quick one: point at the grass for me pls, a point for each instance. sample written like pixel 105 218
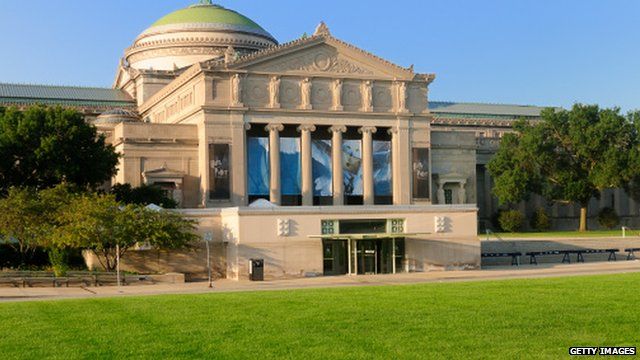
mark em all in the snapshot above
pixel 539 318
pixel 563 234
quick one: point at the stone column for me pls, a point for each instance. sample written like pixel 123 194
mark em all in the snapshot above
pixel 274 161
pixel 307 161
pixel 336 157
pixel 440 193
pixel 462 193
pixel 395 166
pixel 367 163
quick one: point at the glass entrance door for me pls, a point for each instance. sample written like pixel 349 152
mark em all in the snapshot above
pixel 379 256
pixel 335 257
pixel 368 257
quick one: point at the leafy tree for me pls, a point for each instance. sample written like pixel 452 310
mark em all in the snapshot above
pixel 568 157
pixel 143 195
pixel 100 224
pixel 27 218
pixel 21 224
pixel 42 147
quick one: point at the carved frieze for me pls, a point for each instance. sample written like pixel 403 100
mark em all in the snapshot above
pixel 318 61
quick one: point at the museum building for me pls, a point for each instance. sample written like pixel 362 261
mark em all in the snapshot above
pixel 314 155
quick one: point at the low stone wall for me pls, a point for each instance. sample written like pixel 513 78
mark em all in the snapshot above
pixel 526 245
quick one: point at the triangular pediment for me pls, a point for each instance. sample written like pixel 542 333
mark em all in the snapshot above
pixel 321 55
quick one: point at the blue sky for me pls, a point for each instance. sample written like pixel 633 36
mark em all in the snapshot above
pixel 520 51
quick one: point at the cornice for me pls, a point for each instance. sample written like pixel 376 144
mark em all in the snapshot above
pixel 184 78
pixel 471 122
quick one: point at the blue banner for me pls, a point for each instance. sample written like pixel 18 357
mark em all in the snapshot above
pixel 352 166
pixel 382 168
pixel 290 166
pixel 258 165
pixel 322 167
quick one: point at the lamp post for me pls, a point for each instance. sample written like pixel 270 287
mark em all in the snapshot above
pixel 208 237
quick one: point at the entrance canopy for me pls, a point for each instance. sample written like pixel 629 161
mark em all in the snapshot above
pixel 366 236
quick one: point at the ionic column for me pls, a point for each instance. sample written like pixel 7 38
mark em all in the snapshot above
pixel 367 163
pixel 307 161
pixel 336 157
pixel 274 161
pixel 396 170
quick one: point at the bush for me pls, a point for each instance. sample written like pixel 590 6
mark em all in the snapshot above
pixel 59 261
pixel 511 220
pixel 540 220
pixel 608 218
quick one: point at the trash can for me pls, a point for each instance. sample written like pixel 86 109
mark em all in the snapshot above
pixel 256 269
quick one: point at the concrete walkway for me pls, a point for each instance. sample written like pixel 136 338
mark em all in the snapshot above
pixel 493 273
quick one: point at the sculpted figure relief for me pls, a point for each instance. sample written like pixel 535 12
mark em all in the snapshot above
pixel 337 94
pixel 305 93
pixel 402 96
pixel 274 92
pixel 236 90
pixel 229 54
pixel 367 96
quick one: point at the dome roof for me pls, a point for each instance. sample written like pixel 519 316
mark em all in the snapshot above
pixel 116 116
pixel 196 33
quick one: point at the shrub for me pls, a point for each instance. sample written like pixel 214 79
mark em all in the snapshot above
pixel 511 220
pixel 608 218
pixel 540 220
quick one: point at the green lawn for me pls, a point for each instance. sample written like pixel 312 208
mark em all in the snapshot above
pixel 561 234
pixel 500 319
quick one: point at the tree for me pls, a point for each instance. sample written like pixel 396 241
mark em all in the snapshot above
pixel 27 218
pixel 98 223
pixel 143 195
pixel 567 157
pixel 42 147
pixel 21 225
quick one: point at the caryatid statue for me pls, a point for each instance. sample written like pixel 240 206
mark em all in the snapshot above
pixel 337 94
pixel 274 92
pixel 305 93
pixel 367 96
pixel 236 90
pixel 402 96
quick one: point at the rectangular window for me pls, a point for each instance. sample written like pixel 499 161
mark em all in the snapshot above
pixel 219 184
pixel 421 173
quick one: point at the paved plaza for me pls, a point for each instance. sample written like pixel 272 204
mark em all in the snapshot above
pixel 493 273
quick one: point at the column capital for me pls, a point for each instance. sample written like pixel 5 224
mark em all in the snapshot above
pixel 367 130
pixel 306 127
pixel 338 128
pixel 274 127
pixel 393 130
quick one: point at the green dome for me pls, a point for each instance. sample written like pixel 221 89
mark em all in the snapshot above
pixel 211 15
pixel 205 13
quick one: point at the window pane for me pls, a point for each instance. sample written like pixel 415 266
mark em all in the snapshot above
pixel 421 173
pixel 258 165
pixel 219 186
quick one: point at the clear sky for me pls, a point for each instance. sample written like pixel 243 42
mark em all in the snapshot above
pixel 539 52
